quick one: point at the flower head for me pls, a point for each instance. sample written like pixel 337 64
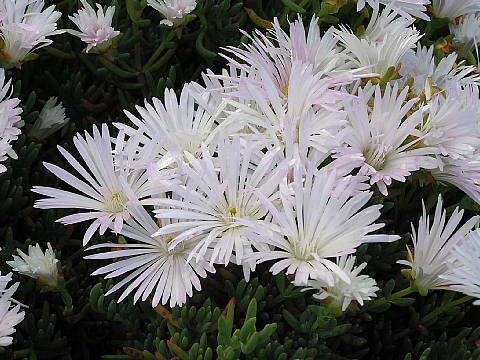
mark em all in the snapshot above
pixel 51 118
pixel 9 120
pixel 432 246
pixel 464 274
pixel 318 217
pixel 387 39
pixel 467 32
pixel 24 27
pixel 406 8
pixel 107 186
pixel 385 132
pixel 40 266
pixel 452 9
pixel 219 201
pixel 342 293
pixel 152 266
pixel 10 314
pixel 95 28
pixel 173 10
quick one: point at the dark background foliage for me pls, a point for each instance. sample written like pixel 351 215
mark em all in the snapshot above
pixel 288 323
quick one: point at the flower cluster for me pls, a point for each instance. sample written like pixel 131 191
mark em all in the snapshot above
pixel 275 160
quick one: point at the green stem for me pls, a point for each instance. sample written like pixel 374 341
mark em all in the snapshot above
pixel 443 308
pixel 66 298
pixel 59 53
pixel 159 50
pixel 401 293
pixel 163 60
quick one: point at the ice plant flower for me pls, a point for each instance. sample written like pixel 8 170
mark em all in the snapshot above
pixel 51 118
pixel 106 188
pixel 452 9
pixel 450 125
pixel 386 134
pixel 176 125
pixel 95 28
pixel 387 39
pixel 219 200
pixel 9 120
pixel 341 294
pixel 302 125
pixel 434 76
pixel 173 10
pixel 467 32
pixel 10 314
pixel 406 8
pixel 43 267
pixel 152 266
pixel 25 26
pixel 464 274
pixel 317 218
pixel 462 173
pixel 432 248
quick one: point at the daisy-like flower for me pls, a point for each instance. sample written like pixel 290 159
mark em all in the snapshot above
pixel 342 293
pixel 10 314
pixel 387 39
pixel 464 274
pixel 406 8
pixel 106 188
pixel 38 265
pixel 452 9
pixel 51 118
pixel 467 32
pixel 268 65
pixel 318 217
pixel 432 246
pixel 424 69
pixel 385 133
pixel 152 266
pixel 461 173
pixel 173 10
pixel 95 28
pixel 219 200
pixel 299 127
pixel 9 120
pixel 177 125
pixel 24 27
pixel 450 125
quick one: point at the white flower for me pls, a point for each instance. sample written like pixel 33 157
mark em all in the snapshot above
pixel 219 200
pixel 342 293
pixel 107 188
pixel 24 27
pixel 177 125
pixel 465 274
pixel 173 10
pixel 318 217
pixel 9 120
pixel 10 314
pixel 387 39
pixel 37 265
pixel 450 125
pixel 467 32
pixel 405 8
pixel 462 173
pixel 385 133
pixel 51 118
pixel 268 67
pixel 95 28
pixel 425 69
pixel 153 267
pixel 299 126
pixel 452 9
pixel 432 247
